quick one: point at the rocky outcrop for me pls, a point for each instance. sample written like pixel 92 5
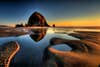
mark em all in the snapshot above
pixel 36 19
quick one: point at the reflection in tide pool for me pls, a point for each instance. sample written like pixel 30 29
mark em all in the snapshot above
pixel 32 47
pixel 32 50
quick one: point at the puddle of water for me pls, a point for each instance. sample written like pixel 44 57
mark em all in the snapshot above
pixel 62 47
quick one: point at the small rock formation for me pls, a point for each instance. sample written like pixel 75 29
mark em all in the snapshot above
pixel 19 25
pixel 53 25
pixel 36 19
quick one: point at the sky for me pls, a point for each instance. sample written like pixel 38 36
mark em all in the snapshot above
pixel 58 12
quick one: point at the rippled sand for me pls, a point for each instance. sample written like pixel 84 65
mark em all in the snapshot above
pixel 85 52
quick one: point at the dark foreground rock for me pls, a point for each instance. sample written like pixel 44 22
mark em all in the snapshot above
pixel 7 51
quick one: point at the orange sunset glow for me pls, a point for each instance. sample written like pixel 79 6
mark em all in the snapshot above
pixel 79 21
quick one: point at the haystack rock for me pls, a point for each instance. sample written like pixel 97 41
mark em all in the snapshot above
pixel 37 19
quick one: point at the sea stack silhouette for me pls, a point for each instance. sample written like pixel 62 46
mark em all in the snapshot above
pixel 37 19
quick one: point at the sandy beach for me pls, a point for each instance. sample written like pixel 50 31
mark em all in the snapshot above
pixel 11 31
pixel 84 53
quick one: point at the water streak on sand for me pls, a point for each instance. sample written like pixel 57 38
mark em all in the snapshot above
pixel 12 55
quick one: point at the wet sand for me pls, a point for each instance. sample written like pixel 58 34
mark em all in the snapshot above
pixel 85 52
pixel 5 32
pixel 85 35
pixel 7 52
